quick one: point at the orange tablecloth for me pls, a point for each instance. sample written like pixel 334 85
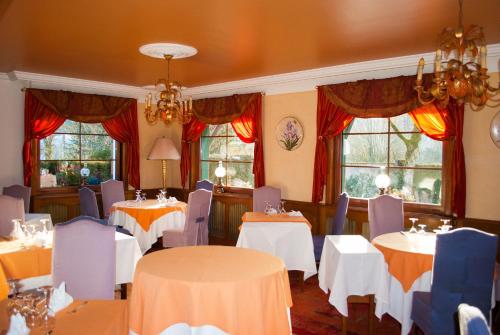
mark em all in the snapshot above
pixel 148 211
pixel 240 291
pixel 96 317
pixel 407 256
pixel 17 262
pixel 263 217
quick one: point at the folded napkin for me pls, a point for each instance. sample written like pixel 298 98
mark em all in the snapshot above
pixel 59 299
pixel 172 199
pixel 295 213
pixel 272 211
pixel 18 325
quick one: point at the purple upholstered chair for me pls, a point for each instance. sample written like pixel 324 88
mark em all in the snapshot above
pixel 111 191
pixel 385 215
pixel 462 273
pixel 337 226
pixel 10 208
pixel 19 191
pixel 265 194
pixel 204 185
pixel 88 203
pixel 471 321
pixel 84 256
pixel 195 230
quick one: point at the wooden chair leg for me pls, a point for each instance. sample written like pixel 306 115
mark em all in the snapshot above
pixel 344 325
pixel 371 314
pixel 123 291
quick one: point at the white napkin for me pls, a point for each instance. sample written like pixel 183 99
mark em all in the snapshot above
pixel 172 199
pixel 59 299
pixel 295 213
pixel 272 211
pixel 18 325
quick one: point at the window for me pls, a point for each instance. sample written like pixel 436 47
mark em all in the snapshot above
pixel 74 148
pixel 413 161
pixel 220 143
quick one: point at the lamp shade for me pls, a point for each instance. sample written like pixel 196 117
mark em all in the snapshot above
pixel 382 181
pixel 164 148
pixel 220 171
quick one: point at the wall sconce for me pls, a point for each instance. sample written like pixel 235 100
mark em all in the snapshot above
pixel 382 181
pixel 220 172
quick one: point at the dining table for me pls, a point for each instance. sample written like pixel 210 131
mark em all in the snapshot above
pixel 148 219
pixel 286 236
pixel 210 290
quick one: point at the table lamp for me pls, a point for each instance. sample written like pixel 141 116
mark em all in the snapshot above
pixel 382 180
pixel 164 149
pixel 220 172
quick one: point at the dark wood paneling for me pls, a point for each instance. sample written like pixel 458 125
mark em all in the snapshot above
pixel 490 226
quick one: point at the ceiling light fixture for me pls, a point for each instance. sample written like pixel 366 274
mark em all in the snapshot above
pixel 170 104
pixel 464 78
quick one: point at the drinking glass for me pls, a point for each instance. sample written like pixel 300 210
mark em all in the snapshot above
pixel 45 226
pixel 422 228
pixel 268 207
pixel 282 209
pixel 446 226
pixel 413 229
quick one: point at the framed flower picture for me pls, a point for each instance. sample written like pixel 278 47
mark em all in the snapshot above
pixel 289 133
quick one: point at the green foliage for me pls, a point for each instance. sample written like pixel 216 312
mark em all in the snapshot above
pixel 361 185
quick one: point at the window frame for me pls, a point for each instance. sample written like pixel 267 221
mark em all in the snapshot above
pixel 120 165
pixel 334 178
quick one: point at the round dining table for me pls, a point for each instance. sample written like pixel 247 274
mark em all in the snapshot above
pixel 211 290
pixel 409 260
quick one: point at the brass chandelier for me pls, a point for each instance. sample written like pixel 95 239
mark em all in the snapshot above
pixel 463 77
pixel 170 103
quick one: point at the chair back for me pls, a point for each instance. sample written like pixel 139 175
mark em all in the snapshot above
pixel 196 226
pixel 471 321
pixel 84 256
pixel 19 191
pixel 337 227
pixel 10 208
pixel 463 270
pixel 88 203
pixel 111 191
pixel 385 215
pixel 204 185
pixel 265 194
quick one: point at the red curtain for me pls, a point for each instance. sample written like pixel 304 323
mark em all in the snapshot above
pixel 331 120
pixel 124 129
pixel 248 127
pixel 191 132
pixel 433 122
pixel 39 122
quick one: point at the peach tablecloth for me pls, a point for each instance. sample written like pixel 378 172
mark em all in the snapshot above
pixel 408 256
pixel 239 291
pixel 263 217
pixel 96 317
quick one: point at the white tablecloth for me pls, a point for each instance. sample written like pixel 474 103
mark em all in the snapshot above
pixel 128 254
pixel 350 265
pixel 169 221
pixel 35 218
pixel 290 241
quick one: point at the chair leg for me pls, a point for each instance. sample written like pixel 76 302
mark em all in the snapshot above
pixel 371 314
pixel 123 291
pixel 344 325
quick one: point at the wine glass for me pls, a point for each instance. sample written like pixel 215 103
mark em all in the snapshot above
pixel 267 209
pixel 446 226
pixel 143 198
pixel 282 209
pixel 422 228
pixel 413 229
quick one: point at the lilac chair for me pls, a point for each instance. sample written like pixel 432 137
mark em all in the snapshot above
pixel 337 226
pixel 19 191
pixel 111 191
pixel 88 203
pixel 471 321
pixel 10 208
pixel 462 273
pixel 265 194
pixel 84 256
pixel 195 230
pixel 204 185
pixel 385 215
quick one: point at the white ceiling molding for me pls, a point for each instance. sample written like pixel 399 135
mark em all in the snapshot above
pixel 299 81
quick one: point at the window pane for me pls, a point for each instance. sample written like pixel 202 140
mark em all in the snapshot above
pixel 230 130
pixel 69 127
pixel 372 125
pixel 360 182
pixel 239 175
pixel 213 148
pixel 60 173
pixel 417 185
pixel 208 171
pixel 415 150
pixel 99 171
pixel 215 130
pixel 239 151
pixel 97 147
pixel 365 149
pixel 402 122
pixel 61 147
pixel 93 128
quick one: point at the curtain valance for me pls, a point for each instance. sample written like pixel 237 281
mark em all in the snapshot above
pixel 223 109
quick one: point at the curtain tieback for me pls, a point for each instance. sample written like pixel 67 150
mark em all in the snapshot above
pixel 320 138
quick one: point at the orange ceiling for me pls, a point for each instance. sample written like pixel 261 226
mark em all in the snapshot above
pixel 236 39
